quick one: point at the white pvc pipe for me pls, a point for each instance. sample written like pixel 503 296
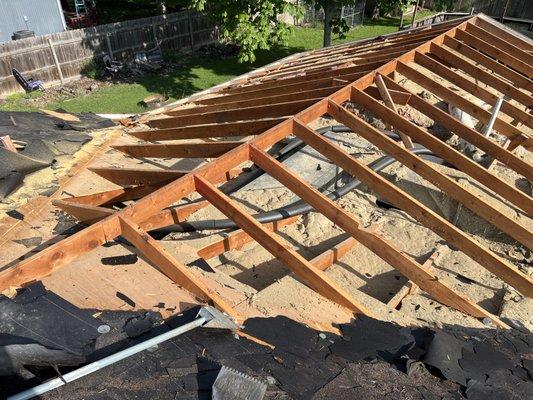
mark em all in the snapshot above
pixel 104 362
pixel 493 117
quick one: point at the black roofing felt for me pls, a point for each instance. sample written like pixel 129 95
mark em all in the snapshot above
pixel 373 359
pixel 46 137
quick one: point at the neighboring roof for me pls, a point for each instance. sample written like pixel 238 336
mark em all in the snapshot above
pixel 284 100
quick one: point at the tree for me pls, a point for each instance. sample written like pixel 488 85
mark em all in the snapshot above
pixel 336 25
pixel 250 24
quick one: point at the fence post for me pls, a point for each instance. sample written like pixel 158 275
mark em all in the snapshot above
pixel 191 33
pixel 109 48
pixel 56 61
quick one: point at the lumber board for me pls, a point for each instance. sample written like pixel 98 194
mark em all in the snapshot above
pixel 150 176
pixel 261 101
pixel 469 134
pixel 179 150
pixel 434 65
pixel 427 217
pixel 382 248
pixel 137 176
pixel 387 99
pixel 499 43
pixel 503 33
pixel 423 168
pixel 280 249
pixel 236 240
pixel 519 80
pixel 170 266
pixel 482 75
pixel 410 287
pixel 494 52
pixel 59 254
pixel 457 100
pixel 84 213
pixel 228 129
pixel 243 114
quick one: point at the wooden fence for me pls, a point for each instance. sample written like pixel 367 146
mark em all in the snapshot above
pixel 61 57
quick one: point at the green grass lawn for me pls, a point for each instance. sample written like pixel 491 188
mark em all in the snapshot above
pixel 195 73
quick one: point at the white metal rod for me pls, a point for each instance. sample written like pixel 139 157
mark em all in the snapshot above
pixel 104 362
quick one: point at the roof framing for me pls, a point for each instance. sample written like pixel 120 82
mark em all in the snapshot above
pixel 509 53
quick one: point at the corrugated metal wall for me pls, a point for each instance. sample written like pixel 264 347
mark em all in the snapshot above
pixel 44 17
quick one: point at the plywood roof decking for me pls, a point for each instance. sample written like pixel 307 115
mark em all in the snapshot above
pixel 503 57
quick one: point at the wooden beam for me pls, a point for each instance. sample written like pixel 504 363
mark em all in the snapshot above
pixel 84 213
pixel 181 150
pixel 469 134
pixel 336 253
pixel 137 176
pixel 261 101
pixel 410 287
pixel 111 197
pixel 315 278
pixel 494 52
pixel 457 100
pixel 403 263
pixel 503 33
pixel 398 97
pixel 484 76
pixel 519 80
pixel 228 129
pixel 236 240
pixel 277 88
pixel 151 176
pixel 486 95
pixel 171 267
pixel 55 256
pixel 423 168
pixel 243 114
pixel 385 95
pixel 501 44
pixel 409 204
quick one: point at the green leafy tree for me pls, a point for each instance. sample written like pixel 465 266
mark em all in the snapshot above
pixel 333 24
pixel 250 24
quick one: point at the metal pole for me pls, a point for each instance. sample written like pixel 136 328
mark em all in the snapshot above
pixel 104 362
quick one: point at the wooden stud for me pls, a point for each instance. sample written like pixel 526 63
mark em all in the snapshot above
pixel 410 287
pixel 423 168
pixel 385 95
pixel 457 100
pixel 409 204
pixel 181 150
pixel 229 129
pixel 482 75
pixel 403 263
pixel 469 134
pixel 243 114
pixel 171 267
pixel 440 69
pixel 315 278
pixel 236 240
